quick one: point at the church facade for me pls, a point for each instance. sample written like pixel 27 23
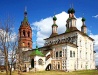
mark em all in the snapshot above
pixel 69 51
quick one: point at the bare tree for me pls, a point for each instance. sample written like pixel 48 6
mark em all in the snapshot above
pixel 6 32
pixel 19 60
pixel 12 54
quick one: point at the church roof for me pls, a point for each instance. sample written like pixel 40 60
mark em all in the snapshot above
pixel 25 20
pixel 53 34
pixel 73 30
pixel 36 52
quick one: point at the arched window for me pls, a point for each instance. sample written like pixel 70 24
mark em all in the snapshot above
pixel 70 53
pixel 56 54
pixel 58 66
pixel 86 55
pixel 73 53
pixel 28 34
pixel 24 33
pixel 80 54
pixel 28 44
pixel 60 53
pixel 40 62
pixel 23 44
pixel 80 43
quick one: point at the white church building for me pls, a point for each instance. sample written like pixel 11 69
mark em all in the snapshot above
pixel 69 51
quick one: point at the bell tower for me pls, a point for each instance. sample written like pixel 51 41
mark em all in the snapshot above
pixel 25 34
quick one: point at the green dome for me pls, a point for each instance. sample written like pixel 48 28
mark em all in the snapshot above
pixel 54 18
pixel 83 19
pixel 71 10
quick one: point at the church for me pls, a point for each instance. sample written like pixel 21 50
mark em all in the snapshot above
pixel 72 50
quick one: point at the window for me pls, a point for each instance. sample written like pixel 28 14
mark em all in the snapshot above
pixel 90 56
pixel 28 44
pixel 80 54
pixel 23 32
pixel 73 53
pixel 90 46
pixel 40 62
pixel 23 44
pixel 86 44
pixel 28 34
pixel 70 53
pixel 80 43
pixel 81 65
pixel 86 55
pixel 58 66
pixel 60 53
pixel 56 54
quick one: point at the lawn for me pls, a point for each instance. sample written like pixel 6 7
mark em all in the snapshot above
pixel 87 72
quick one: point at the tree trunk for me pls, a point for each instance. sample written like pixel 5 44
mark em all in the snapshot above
pixel 6 60
pixel 6 65
pixel 11 69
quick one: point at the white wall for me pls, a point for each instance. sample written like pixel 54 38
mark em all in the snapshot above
pixel 37 66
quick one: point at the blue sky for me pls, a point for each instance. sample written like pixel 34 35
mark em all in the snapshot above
pixel 41 11
pixel 38 9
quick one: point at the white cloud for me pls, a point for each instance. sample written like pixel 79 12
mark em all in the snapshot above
pixel 44 26
pixel 96 16
pixel 9 37
pixel 95 37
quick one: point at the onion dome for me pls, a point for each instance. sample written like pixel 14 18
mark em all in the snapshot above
pixel 83 19
pixel 71 10
pixel 54 18
pixel 25 13
pixel 25 16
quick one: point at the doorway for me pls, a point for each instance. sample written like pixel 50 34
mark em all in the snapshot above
pixel 32 63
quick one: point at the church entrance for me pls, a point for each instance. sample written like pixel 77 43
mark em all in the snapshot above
pixel 48 67
pixel 32 63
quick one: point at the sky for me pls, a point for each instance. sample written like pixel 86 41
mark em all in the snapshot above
pixel 41 12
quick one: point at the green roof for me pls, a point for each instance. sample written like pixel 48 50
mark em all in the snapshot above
pixel 68 30
pixel 25 19
pixel 54 25
pixel 36 52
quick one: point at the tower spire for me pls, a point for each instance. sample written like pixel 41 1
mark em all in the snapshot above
pixel 25 12
pixel 25 8
pixel 25 15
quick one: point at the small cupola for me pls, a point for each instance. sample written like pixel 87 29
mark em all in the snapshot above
pixel 54 27
pixel 71 12
pixel 83 27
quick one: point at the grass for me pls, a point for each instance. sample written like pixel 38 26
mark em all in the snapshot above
pixel 85 72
